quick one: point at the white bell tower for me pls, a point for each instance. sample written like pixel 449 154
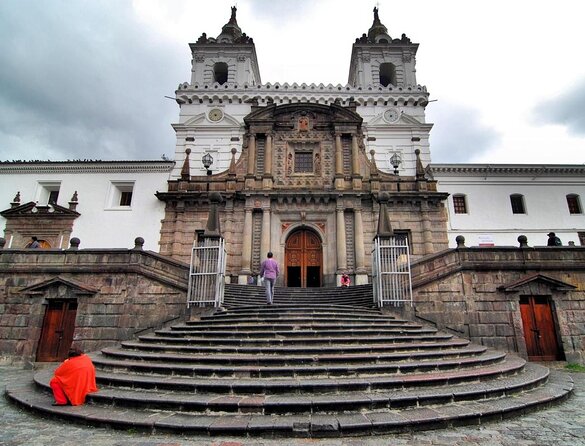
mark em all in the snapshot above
pixel 229 58
pixel 377 59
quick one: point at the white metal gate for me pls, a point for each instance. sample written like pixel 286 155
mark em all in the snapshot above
pixel 207 273
pixel 391 272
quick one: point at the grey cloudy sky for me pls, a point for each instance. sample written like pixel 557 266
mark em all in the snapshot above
pixel 87 79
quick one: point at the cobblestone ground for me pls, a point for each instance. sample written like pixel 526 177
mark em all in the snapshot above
pixel 563 424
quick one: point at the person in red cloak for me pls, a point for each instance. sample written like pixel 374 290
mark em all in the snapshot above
pixel 73 379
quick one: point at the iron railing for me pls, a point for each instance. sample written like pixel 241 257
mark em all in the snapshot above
pixel 391 276
pixel 207 273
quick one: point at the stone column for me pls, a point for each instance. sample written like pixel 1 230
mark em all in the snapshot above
pixel 341 244
pixel 265 238
pixel 361 275
pixel 246 247
pixel 338 155
pixel 268 155
pixel 251 154
pixel 355 164
pixel 427 229
pixel 267 180
pixel 339 181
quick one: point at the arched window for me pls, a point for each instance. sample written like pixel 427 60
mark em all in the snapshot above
pixel 574 204
pixel 517 202
pixel 459 204
pixel 220 73
pixel 387 74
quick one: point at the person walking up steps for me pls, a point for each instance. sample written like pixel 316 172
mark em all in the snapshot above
pixel 269 271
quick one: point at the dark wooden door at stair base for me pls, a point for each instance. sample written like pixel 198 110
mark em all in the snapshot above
pixel 539 328
pixel 303 260
pixel 57 333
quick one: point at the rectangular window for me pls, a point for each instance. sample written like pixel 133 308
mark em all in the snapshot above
pixel 303 162
pixel 574 205
pixel 517 202
pixel 120 195
pixel 459 205
pixel 47 192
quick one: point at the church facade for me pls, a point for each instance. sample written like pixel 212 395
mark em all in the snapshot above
pixel 302 171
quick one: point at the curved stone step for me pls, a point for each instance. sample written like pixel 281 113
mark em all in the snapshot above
pixel 305 370
pixel 266 332
pixel 325 340
pixel 291 359
pixel 290 324
pixel 228 316
pixel 248 385
pixel 406 419
pixel 294 349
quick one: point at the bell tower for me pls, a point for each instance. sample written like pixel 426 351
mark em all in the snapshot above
pixel 230 58
pixel 377 59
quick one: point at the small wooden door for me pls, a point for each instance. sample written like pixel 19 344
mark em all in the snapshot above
pixel 303 260
pixel 57 332
pixel 539 329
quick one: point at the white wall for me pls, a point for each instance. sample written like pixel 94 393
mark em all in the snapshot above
pixel 489 212
pixel 100 224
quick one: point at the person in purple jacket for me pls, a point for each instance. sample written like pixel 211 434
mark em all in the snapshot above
pixel 269 271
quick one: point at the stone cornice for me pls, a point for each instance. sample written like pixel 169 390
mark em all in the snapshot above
pixel 292 93
pixel 505 169
pixel 8 167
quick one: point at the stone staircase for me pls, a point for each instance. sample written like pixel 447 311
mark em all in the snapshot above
pixel 319 362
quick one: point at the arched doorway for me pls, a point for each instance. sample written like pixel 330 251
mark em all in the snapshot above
pixel 303 259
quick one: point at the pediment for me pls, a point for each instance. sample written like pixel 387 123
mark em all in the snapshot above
pixel 537 279
pixel 74 287
pixel 330 113
pixel 32 210
pixel 404 119
pixel 200 120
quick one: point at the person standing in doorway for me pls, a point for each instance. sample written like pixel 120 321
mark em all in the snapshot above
pixel 34 244
pixel 269 271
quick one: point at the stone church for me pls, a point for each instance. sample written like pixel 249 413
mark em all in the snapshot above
pixel 310 172
pixel 301 174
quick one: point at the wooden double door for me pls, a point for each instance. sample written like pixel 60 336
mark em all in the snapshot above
pixel 539 329
pixel 303 259
pixel 57 331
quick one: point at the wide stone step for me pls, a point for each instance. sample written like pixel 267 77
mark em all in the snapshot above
pixel 301 385
pixel 298 349
pixel 229 317
pixel 266 332
pixel 292 359
pixel 380 368
pixel 323 403
pixel 290 325
pixel 406 418
pixel 302 340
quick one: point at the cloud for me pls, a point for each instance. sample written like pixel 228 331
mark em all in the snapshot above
pixel 279 9
pixel 83 80
pixel 568 109
pixel 458 136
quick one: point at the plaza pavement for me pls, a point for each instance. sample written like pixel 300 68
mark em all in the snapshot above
pixel 563 424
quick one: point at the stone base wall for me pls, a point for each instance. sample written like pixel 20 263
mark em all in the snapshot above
pixel 475 293
pixel 119 294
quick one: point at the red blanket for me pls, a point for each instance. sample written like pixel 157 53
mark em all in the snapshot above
pixel 77 377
